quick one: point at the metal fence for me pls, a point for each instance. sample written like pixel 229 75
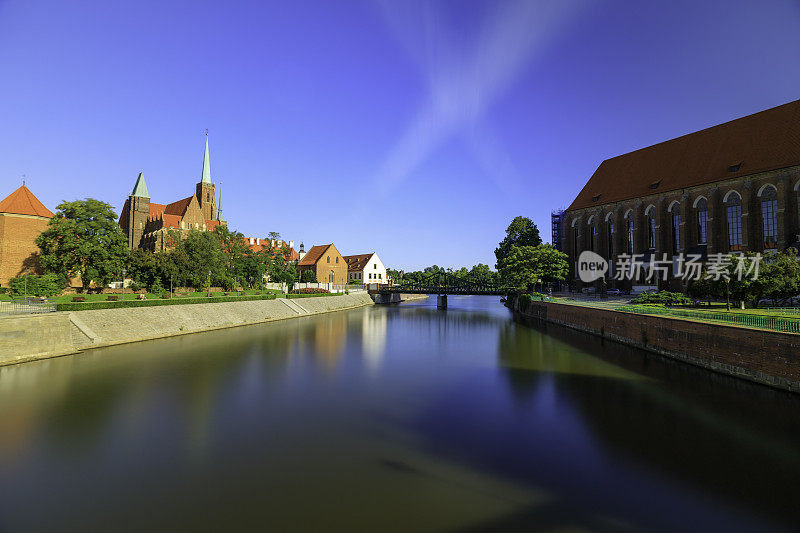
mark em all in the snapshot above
pixel 773 323
pixel 22 306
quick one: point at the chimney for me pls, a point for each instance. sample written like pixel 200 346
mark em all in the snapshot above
pixel 258 240
pixel 291 244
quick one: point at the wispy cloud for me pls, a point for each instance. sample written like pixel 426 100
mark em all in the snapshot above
pixel 465 79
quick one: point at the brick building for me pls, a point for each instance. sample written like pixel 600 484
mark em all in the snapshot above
pixel 728 188
pixel 148 224
pixel 327 264
pixel 22 218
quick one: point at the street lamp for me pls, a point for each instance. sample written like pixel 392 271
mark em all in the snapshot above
pixel 209 284
pixel 727 294
pixel 123 283
pixel 170 285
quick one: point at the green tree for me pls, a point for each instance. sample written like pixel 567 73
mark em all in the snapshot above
pixel 83 239
pixel 308 276
pixel 481 274
pixel 197 254
pixel 528 265
pixel 521 232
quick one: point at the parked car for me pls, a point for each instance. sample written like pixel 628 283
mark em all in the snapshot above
pixel 613 292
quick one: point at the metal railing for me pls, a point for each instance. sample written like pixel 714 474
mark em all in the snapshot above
pixel 22 306
pixel 750 320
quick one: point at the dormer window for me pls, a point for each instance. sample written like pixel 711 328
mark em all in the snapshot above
pixel 595 197
pixel 655 184
pixel 735 168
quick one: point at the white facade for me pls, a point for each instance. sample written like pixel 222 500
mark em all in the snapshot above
pixel 374 272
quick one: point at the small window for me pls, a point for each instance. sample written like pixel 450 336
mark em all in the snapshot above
pixel 595 197
pixel 337 259
pixel 329 259
pixel 375 266
pixel 735 168
pixel 655 184
pixel 380 276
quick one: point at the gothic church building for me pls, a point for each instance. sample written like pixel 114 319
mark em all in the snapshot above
pixel 148 225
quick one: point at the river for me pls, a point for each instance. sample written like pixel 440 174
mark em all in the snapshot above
pixel 397 418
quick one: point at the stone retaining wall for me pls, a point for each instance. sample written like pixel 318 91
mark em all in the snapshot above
pixel 28 337
pixel 768 357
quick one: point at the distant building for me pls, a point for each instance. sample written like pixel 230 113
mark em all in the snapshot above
pixel 301 253
pixel 257 244
pixel 22 218
pixel 327 264
pixel 365 268
pixel 148 224
pixel 729 188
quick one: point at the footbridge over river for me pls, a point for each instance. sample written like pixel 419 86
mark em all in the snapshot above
pixel 441 284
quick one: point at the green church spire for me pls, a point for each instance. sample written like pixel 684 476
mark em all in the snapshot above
pixel 206 165
pixel 140 189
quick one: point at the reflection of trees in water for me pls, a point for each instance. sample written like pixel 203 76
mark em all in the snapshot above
pixel 690 423
pixel 76 396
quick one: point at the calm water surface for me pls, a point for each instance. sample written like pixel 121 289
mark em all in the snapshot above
pixel 400 418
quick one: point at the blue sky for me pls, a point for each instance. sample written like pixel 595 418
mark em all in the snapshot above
pixel 415 129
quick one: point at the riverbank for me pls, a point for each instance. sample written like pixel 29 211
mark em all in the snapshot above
pixel 766 357
pixel 30 337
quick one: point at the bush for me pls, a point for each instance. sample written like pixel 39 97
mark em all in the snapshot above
pixel 77 306
pixel 156 287
pixel 309 290
pixel 662 297
pixel 46 285
pixel 525 300
pixel 134 287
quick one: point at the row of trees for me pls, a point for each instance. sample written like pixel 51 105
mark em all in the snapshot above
pixel 83 240
pixel 522 261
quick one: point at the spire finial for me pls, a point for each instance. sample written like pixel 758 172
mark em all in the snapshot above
pixel 23 180
pixel 140 189
pixel 206 177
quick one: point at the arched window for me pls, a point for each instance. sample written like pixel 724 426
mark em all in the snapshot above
pixel 769 215
pixel 592 233
pixel 733 210
pixel 675 211
pixel 629 228
pixel 610 240
pixel 329 259
pixel 701 205
pixel 650 213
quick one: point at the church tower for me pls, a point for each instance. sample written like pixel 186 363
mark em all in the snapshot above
pixel 205 189
pixel 138 212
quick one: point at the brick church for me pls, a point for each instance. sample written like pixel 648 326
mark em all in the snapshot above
pixel 22 218
pixel 734 187
pixel 148 225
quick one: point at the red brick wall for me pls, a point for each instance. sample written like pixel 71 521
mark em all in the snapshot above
pixel 17 236
pixel 763 356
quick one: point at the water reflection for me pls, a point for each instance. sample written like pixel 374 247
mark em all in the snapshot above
pixel 414 418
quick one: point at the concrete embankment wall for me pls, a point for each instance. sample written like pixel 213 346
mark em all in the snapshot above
pixel 28 337
pixel 768 357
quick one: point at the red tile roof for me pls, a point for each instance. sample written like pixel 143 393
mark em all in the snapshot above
pixel 171 221
pixel 767 140
pixel 357 262
pixel 313 255
pixel 179 207
pixel 23 202
pixel 156 209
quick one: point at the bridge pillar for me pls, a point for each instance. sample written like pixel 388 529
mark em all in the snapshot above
pixel 441 301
